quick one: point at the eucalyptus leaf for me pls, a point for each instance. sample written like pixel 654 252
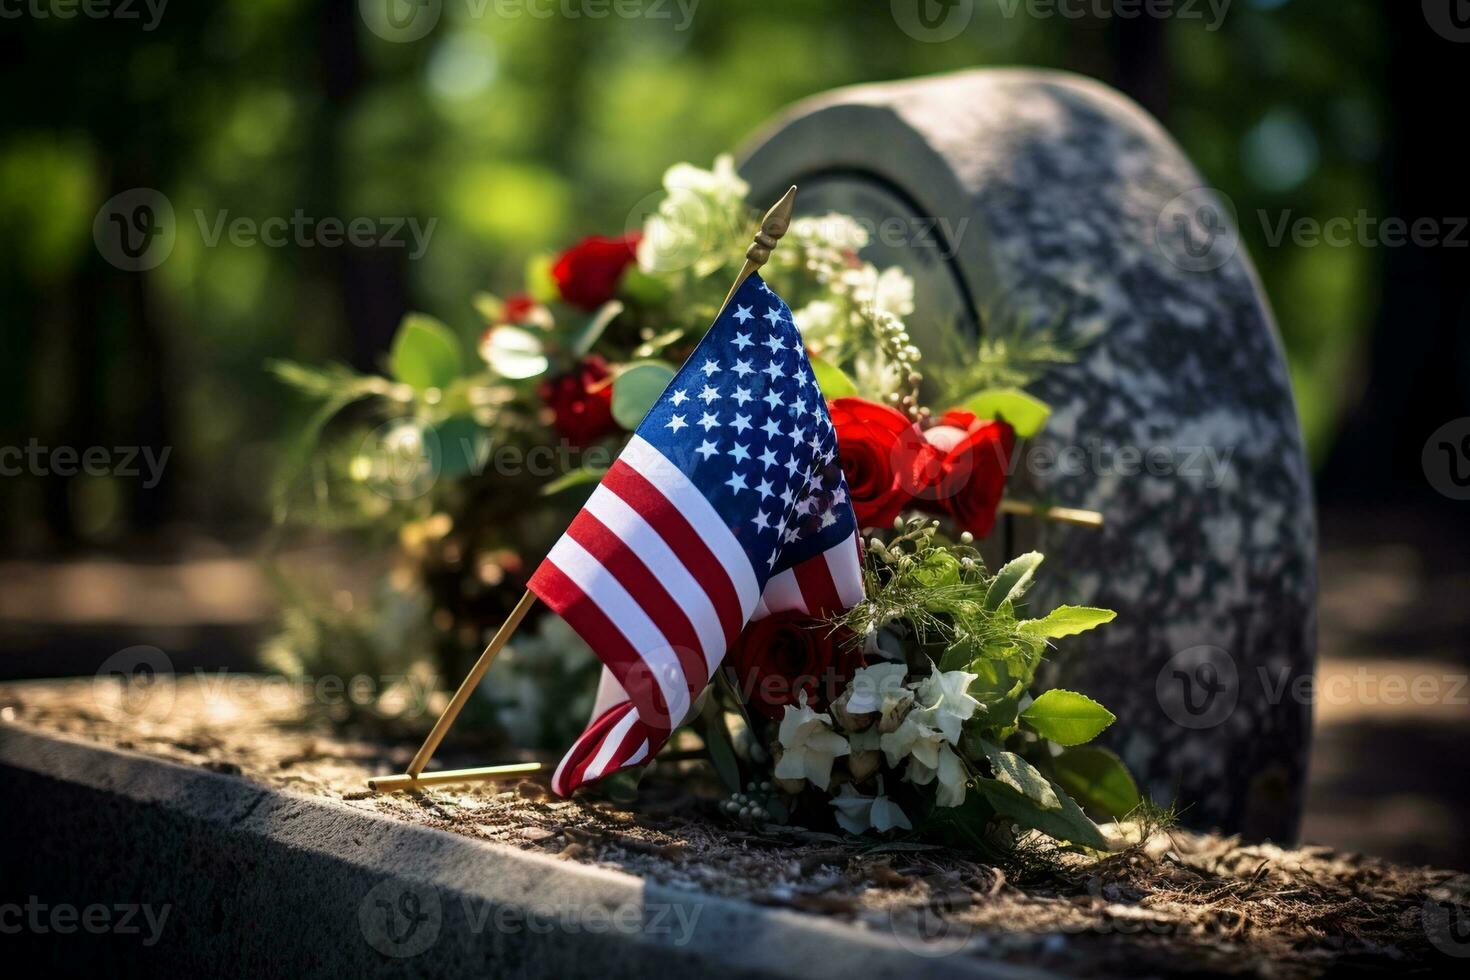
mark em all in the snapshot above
pixel 461 449
pixel 1025 413
pixel 719 746
pixel 1012 581
pixel 636 389
pixel 514 353
pixel 1066 717
pixel 425 353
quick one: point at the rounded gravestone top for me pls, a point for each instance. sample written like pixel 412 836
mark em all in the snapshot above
pixel 1043 200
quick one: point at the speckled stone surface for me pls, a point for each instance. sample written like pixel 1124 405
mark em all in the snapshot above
pixel 1052 197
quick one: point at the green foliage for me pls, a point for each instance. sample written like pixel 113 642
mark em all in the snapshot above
pixel 425 353
pixel 831 380
pixel 939 602
pixel 1098 780
pixel 637 388
pixel 1066 717
pixel 1068 621
pixel 1026 413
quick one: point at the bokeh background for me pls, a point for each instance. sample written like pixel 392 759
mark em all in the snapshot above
pixel 516 128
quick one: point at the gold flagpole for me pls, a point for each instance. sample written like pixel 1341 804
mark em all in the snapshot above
pixel 773 227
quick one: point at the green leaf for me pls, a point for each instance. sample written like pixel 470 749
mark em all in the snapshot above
pixel 1021 776
pixel 462 447
pixel 425 353
pixel 1099 781
pixel 490 307
pixel 592 332
pixel 1067 823
pixel 1026 413
pixel 717 743
pixel 636 389
pixel 574 478
pixel 513 353
pixel 1066 717
pixel 657 345
pixel 540 283
pixel 1012 581
pixel 831 379
pixel 1068 621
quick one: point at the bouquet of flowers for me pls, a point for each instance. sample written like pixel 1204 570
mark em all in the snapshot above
pixel 912 710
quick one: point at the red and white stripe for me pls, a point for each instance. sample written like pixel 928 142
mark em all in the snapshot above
pixel 656 583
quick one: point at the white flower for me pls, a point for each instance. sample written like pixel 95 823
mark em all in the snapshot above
pixel 879 688
pixel 856 813
pixel 698 215
pixel 945 701
pixel 891 291
pixel 818 320
pixel 832 230
pixel 949 770
pixel 914 738
pixel 810 745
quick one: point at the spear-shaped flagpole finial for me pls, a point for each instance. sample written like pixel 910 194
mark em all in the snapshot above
pixel 773 226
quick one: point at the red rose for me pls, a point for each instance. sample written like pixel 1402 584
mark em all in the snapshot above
pixel 883 458
pixel 973 457
pixel 587 274
pixel 787 654
pixel 581 401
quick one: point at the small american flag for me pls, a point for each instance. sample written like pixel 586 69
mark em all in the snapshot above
pixel 727 505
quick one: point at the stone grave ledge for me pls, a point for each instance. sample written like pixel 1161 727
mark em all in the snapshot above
pixel 244 816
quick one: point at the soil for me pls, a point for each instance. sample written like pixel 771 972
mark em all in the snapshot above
pixel 1172 904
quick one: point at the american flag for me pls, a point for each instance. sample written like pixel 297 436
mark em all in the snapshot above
pixel 727 505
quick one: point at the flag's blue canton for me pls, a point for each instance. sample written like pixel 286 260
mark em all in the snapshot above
pixel 744 420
